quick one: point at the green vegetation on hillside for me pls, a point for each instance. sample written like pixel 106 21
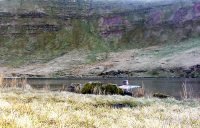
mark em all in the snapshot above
pixel 38 31
pixel 46 46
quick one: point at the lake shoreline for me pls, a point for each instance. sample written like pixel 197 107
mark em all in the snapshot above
pixel 97 77
pixel 175 87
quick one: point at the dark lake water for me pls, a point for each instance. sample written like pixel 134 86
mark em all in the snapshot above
pixel 168 86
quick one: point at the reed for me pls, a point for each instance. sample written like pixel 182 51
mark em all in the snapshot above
pixel 14 83
pixel 46 87
pixel 139 92
pixel 187 91
pixel 1 80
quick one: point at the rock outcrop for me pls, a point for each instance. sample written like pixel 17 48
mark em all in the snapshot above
pixel 130 20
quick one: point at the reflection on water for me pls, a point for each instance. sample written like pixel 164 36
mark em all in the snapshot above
pixel 169 86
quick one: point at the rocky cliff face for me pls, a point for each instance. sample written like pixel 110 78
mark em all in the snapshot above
pixel 36 16
pixel 39 31
pixel 131 20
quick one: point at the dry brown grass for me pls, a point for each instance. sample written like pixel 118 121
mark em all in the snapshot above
pixel 21 108
pixel 47 109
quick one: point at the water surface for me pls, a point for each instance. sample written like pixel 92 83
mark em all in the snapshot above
pixel 168 86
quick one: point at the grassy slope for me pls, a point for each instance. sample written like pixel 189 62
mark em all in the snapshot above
pixel 86 61
pixel 151 59
pixel 54 109
pixel 175 47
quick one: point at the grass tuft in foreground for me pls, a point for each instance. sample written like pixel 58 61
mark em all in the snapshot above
pixel 33 108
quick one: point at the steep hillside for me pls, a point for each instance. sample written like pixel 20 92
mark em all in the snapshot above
pixel 35 34
pixel 169 60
